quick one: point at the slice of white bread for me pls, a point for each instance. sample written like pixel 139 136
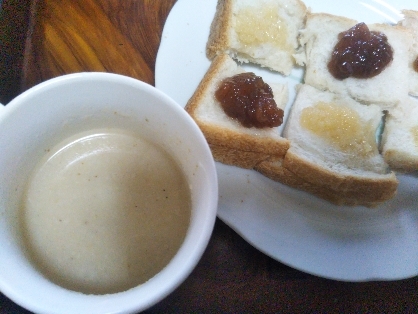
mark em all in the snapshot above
pixel 400 136
pixel 410 21
pixel 263 32
pixel 230 142
pixel 320 37
pixel 335 148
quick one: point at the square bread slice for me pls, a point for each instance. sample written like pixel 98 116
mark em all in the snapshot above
pixel 333 146
pixel 263 32
pixel 400 136
pixel 410 21
pixel 320 37
pixel 230 142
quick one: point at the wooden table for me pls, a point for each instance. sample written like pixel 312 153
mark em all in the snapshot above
pixel 41 39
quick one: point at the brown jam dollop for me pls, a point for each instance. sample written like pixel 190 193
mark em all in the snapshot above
pixel 248 99
pixel 360 53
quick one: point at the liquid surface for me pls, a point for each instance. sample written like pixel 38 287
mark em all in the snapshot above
pixel 360 53
pixel 340 126
pixel 104 212
pixel 255 27
pixel 248 99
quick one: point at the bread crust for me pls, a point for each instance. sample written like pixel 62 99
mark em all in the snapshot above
pixel 400 137
pixel 373 188
pixel 275 171
pixel 401 161
pixel 218 36
pixel 223 37
pixel 238 158
pixel 238 146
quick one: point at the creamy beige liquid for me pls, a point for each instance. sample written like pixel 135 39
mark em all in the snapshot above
pixel 104 212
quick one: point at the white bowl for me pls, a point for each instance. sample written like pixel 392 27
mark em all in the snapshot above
pixel 60 107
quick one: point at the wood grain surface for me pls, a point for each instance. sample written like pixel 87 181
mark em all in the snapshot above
pixel 41 39
pixel 48 38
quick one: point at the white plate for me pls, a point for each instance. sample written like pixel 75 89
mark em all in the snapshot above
pixel 293 227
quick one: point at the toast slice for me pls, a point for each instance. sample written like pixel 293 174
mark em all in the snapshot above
pixel 263 32
pixel 410 21
pixel 333 146
pixel 400 137
pixel 320 37
pixel 232 143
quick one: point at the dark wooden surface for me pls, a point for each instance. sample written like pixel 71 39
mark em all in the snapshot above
pixel 41 39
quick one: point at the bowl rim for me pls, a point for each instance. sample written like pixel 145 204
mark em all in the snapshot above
pixel 186 258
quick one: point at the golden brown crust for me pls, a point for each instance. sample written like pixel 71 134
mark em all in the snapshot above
pixel 280 174
pixel 218 36
pixel 400 161
pixel 238 158
pixel 276 172
pixel 372 189
pixel 200 91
